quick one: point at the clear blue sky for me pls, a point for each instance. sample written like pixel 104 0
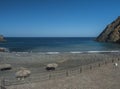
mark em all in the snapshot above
pixel 56 18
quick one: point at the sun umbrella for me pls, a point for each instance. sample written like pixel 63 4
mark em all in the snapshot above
pixel 5 67
pixel 52 65
pixel 23 73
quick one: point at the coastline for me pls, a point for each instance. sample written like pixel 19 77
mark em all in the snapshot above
pixel 70 52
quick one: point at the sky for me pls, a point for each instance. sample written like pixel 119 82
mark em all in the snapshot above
pixel 56 18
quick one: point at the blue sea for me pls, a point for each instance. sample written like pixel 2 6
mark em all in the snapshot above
pixel 57 44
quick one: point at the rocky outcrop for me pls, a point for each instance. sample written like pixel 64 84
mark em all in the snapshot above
pixel 2 38
pixel 3 49
pixel 111 33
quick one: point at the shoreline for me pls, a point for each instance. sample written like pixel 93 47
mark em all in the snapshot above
pixel 69 52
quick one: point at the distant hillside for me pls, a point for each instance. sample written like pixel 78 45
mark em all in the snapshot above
pixel 111 33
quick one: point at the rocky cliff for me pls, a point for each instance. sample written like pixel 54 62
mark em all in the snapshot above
pixel 111 33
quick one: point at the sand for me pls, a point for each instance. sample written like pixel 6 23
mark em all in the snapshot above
pixel 104 77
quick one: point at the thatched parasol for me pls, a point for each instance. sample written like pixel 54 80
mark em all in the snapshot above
pixel 23 73
pixel 51 66
pixel 5 67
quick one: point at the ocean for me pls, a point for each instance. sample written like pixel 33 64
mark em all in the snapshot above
pixel 57 44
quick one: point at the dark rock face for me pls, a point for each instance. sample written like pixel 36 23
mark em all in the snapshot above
pixel 111 33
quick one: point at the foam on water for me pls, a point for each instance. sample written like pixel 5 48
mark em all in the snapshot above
pixel 102 51
pixel 75 52
pixel 52 52
pixel 71 52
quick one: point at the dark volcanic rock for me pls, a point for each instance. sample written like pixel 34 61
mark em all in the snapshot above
pixel 111 33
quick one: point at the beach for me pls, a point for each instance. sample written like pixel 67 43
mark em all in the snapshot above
pixel 36 63
pixel 104 77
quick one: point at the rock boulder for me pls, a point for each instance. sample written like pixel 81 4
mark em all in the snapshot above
pixel 2 38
